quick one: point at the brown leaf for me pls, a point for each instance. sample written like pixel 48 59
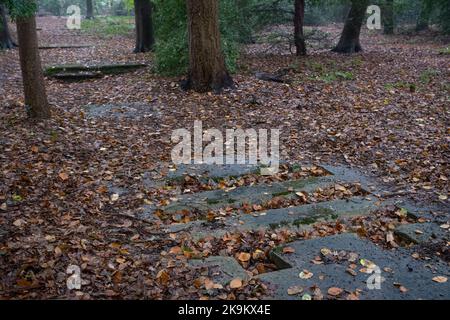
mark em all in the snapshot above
pixel 244 256
pixel 63 176
pixel 163 277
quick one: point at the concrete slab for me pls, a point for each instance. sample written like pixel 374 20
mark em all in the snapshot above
pixel 397 268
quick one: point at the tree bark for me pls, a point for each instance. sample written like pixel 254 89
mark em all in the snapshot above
pixel 30 63
pixel 89 9
pixel 424 17
pixel 145 38
pixel 349 41
pixel 6 41
pixel 389 17
pixel 299 18
pixel 207 70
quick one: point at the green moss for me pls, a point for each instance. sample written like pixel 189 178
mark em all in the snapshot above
pixel 212 201
pixel 305 221
pixel 281 193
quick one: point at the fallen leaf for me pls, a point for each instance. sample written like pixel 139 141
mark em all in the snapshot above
pixel 351 271
pixel 236 283
pixel 163 277
pixel 294 290
pixel 63 176
pixel 305 274
pixel 19 222
pixel 244 256
pixel 288 250
pixel 440 279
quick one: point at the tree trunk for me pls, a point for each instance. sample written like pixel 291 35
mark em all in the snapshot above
pixel 389 17
pixel 299 18
pixel 145 38
pixel 349 42
pixel 207 70
pixel 89 9
pixel 6 41
pixel 30 63
pixel 424 17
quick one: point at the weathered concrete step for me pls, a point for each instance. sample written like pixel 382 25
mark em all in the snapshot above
pixel 222 269
pixel 302 217
pixel 64 46
pixel 420 233
pixel 397 268
pixel 256 194
pixel 210 171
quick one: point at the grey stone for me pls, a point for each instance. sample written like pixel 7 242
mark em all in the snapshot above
pixel 415 275
pixel 223 269
pixel 212 171
pixel 420 233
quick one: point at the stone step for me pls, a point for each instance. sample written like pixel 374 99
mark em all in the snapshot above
pixel 256 194
pixel 212 171
pixel 294 217
pixel 397 268
pixel 422 233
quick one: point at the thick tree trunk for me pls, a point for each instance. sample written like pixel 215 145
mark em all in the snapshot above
pixel 89 9
pixel 424 17
pixel 145 38
pixel 207 70
pixel 388 17
pixel 299 18
pixel 6 41
pixel 349 41
pixel 30 63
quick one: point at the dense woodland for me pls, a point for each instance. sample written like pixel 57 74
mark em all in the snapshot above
pixel 86 116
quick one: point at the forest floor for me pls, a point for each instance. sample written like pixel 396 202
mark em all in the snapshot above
pixel 383 112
